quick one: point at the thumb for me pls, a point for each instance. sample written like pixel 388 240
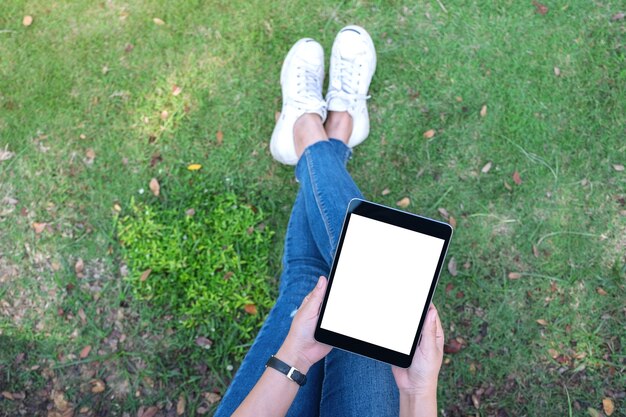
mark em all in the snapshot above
pixel 315 297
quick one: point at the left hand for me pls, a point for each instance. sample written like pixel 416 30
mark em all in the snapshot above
pixel 300 348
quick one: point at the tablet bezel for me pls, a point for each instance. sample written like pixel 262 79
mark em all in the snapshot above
pixel 404 220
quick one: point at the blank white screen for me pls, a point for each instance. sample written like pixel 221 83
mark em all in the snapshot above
pixel 381 283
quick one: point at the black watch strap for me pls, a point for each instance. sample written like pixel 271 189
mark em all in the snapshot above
pixel 291 372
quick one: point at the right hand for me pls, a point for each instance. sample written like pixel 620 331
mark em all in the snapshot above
pixel 421 377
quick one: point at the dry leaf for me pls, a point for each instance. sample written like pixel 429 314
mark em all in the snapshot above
pixel 79 267
pixel 403 203
pixel 483 110
pixel 452 221
pixel 542 322
pixel 453 346
pixel 452 267
pixel 507 186
pixel 180 405
pixel 150 411
pixel 212 397
pixel 449 288
pixel 514 275
pixel 164 115
pixel 155 187
pixel 386 191
pixel 540 8
pixel 618 167
pixel 486 168
pixel 535 251
pixel 97 386
pixel 444 213
pixel 593 412
pixel 158 21
pixel 204 342
pixel 59 400
pixel 190 212
pixel 553 353
pixel 601 291
pixel 90 154
pixel 516 178
pixel 429 134
pixel 27 20
pixel 82 315
pixel 84 352
pixel 176 90
pixel 117 207
pixel 618 16
pixel 608 406
pixel 7 395
pixel 194 167
pixel 250 309
pixel 145 274
pixel 5 154
pixel 39 227
pixel 220 137
pixel 557 71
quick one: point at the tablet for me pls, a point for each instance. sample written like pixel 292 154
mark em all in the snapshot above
pixel 383 277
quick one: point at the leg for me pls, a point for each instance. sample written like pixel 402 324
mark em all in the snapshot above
pixel 302 266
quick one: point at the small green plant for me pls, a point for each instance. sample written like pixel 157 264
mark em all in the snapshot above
pixel 203 257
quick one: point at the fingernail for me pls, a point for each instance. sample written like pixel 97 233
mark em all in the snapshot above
pixel 320 282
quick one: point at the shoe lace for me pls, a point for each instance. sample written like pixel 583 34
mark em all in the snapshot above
pixel 309 87
pixel 349 75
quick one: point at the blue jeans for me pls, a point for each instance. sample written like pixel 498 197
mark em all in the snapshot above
pixel 343 384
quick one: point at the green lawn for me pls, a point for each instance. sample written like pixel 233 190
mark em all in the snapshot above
pixel 529 113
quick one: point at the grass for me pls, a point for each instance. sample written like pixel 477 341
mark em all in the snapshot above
pixel 93 78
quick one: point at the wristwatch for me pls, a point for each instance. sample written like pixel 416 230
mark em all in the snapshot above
pixel 291 372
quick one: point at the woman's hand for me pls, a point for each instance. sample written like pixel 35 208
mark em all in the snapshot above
pixel 418 383
pixel 300 348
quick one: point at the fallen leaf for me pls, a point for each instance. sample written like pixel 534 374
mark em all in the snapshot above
pixel 79 267
pixel 449 287
pixel 250 309
pixel 219 136
pixel 190 212
pixel 145 274
pixel 542 322
pixel 460 294
pixel 516 178
pixel 117 207
pixel 452 267
pixel 453 346
pixel 608 406
pixel 507 186
pixel 194 167
pixel 212 397
pixel 85 352
pixel 553 353
pixel 618 16
pixel 5 154
pixel 514 275
pixel 27 20
pixel 59 401
pixel 155 187
pixel 82 315
pixel 535 251
pixel 593 412
pixel 7 395
pixel 176 90
pixel 444 213
pixel 204 342
pixel 39 227
pixel 483 110
pixel 486 168
pixel 618 167
pixel 601 291
pixel 429 134
pixel 164 115
pixel 403 203
pixel 180 405
pixel 150 411
pixel 452 221
pixel 202 410
pixel 540 8
pixel 386 191
pixel 158 21
pixel 475 401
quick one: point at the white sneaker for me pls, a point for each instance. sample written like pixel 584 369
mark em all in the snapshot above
pixel 352 65
pixel 301 79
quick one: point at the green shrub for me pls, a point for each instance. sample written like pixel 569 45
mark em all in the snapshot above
pixel 205 258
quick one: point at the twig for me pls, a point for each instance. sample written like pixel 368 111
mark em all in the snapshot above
pixel 564 233
pixel 6 31
pixel 442 6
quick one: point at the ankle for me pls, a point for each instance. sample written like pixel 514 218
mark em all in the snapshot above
pixel 339 125
pixel 308 130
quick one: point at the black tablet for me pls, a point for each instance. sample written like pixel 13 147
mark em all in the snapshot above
pixel 381 283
